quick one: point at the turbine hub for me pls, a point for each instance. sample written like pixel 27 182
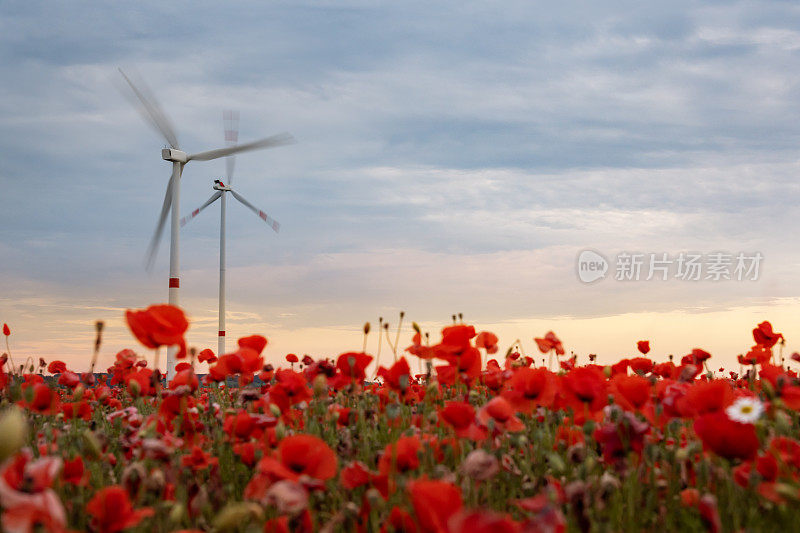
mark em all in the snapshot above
pixel 176 156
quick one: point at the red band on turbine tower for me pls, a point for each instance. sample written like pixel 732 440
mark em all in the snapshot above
pixel 222 333
pixel 174 283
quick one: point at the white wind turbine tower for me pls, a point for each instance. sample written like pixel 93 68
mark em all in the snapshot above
pixel 142 98
pixel 231 121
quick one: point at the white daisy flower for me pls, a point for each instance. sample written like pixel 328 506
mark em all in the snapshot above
pixel 745 410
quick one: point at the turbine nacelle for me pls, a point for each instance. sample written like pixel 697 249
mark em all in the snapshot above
pixel 176 156
pixel 219 186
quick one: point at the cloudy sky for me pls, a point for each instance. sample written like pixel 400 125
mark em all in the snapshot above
pixel 452 157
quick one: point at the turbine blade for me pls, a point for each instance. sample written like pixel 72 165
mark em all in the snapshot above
pixel 189 217
pixel 261 214
pixel 230 163
pixel 276 140
pixel 143 100
pixel 230 121
pixel 152 249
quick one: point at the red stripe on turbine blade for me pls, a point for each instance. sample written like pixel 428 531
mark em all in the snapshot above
pixel 194 213
pixel 174 283
pixel 262 214
pixel 222 333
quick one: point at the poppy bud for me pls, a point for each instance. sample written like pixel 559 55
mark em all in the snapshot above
pixel 132 477
pixel 556 463
pixel 351 509
pixel 374 498
pixel 320 385
pixel 609 482
pixel 234 515
pixel 6 331
pixel 28 395
pixel 415 326
pixel 91 443
pixel 480 465
pixel 288 496
pixel 177 513
pixel 787 491
pixel 366 328
pixel 280 430
pixel 13 432
pixel 134 388
pixel 682 455
pixel 577 453
pixel 156 481
pixel 274 409
pixel 77 394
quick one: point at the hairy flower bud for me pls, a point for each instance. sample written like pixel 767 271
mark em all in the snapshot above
pixel 480 465
pixel 288 496
pixel 235 515
pixel 13 432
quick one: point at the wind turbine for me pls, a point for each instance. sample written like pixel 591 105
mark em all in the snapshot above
pixel 231 121
pixel 142 98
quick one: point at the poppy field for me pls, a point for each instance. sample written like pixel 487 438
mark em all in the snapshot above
pixel 449 435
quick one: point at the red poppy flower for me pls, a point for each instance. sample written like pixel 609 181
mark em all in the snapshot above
pixel 620 437
pixel 254 342
pixel 185 377
pixel 69 379
pixel 299 455
pixel 550 342
pixel 6 330
pixel 631 392
pixel 457 336
pixel 159 325
pixel 355 475
pixel 400 456
pixel 487 341
pixel 640 365
pixel 643 346
pixel 764 336
pixel 434 503
pixel 530 388
pixel 291 388
pixel 697 357
pixel 111 510
pixel 74 471
pixel 291 358
pixel 57 367
pixel 710 513
pixel 206 356
pixel 458 414
pixel 481 522
pixel 353 364
pixel 584 386
pixel 398 377
pixel 40 398
pixel 706 397
pixel 198 459
pixel 501 411
pixel 416 348
pixel 26 496
pixel 726 437
pixel 400 520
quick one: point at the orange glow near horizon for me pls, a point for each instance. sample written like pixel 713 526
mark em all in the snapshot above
pixel 725 333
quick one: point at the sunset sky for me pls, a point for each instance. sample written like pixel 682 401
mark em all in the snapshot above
pixel 454 157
